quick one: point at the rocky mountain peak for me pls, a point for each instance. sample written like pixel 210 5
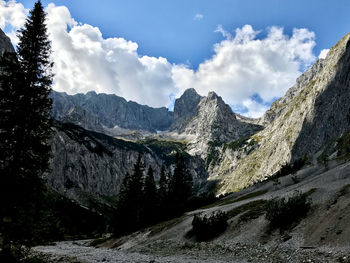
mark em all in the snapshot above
pixel 189 93
pixel 213 96
pixel 213 120
pixel 185 108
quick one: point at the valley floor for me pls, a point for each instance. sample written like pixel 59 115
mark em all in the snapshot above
pixel 78 252
pixel 323 236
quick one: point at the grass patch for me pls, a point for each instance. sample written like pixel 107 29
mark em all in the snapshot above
pixel 287 169
pixel 166 149
pixel 231 201
pixel 251 195
pixel 165 225
pixel 213 153
pixel 252 210
pixel 241 142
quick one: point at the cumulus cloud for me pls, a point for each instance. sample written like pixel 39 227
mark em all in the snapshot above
pixel 244 66
pixel 198 16
pixel 85 61
pixel 12 14
pixel 323 53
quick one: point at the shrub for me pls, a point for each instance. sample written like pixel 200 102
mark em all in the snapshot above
pixel 287 169
pixel 204 227
pixel 283 213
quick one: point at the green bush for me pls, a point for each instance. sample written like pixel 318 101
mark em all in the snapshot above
pixel 204 228
pixel 287 169
pixel 284 213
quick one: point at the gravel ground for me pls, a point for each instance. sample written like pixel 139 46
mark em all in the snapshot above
pixel 322 237
pixel 78 252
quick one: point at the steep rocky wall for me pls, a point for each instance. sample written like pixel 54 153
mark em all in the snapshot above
pixel 210 120
pixel 110 111
pixel 315 113
pixel 94 163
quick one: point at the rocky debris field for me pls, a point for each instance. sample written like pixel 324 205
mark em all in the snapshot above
pixel 79 252
pixel 315 239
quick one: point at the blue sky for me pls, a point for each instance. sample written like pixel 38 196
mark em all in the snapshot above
pixel 250 52
pixel 167 28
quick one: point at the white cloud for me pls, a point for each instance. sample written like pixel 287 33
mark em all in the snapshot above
pixel 243 65
pixel 224 33
pixel 198 16
pixel 254 108
pixel 323 53
pixel 14 15
pixel 85 61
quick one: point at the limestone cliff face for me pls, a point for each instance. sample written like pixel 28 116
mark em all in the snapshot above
pixel 210 120
pixel 280 104
pixel 185 108
pixel 313 111
pixel 94 163
pixel 109 111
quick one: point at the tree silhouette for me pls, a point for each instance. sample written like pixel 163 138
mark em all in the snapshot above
pixel 25 127
pixel 150 199
pixel 163 194
pixel 180 186
pixel 128 214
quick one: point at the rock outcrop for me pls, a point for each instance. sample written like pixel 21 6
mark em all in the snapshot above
pixel 280 104
pixel 109 111
pixel 95 164
pixel 209 120
pixel 314 111
pixel 5 43
pixel 185 108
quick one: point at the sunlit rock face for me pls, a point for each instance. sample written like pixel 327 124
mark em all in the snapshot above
pixel 300 124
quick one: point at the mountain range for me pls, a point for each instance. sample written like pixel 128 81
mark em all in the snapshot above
pixel 314 111
pixel 299 125
pixel 98 137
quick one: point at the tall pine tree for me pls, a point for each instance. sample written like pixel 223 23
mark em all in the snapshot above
pixel 180 187
pixel 25 127
pixel 128 214
pixel 34 56
pixel 150 199
pixel 163 194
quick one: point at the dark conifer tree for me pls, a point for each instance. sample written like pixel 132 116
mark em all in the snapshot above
pixel 12 197
pixel 180 186
pixel 25 128
pixel 150 199
pixel 34 57
pixel 123 216
pixel 128 214
pixel 163 194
